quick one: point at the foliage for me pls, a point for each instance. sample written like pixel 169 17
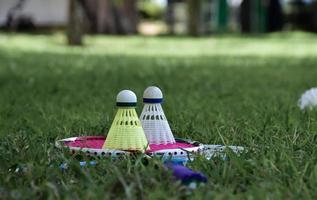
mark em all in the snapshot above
pixel 230 89
pixel 150 10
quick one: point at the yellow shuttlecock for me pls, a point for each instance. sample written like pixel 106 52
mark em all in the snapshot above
pixel 126 132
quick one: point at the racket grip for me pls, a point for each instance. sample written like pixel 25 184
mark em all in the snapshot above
pixel 184 174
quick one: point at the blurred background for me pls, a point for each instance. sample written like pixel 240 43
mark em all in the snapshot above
pixel 157 17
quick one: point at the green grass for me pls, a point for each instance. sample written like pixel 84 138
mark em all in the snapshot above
pixel 229 90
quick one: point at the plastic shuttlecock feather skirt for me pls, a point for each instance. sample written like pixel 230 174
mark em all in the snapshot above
pixel 126 132
pixel 155 125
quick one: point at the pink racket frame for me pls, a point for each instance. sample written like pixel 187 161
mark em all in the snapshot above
pixel 92 145
pixel 183 149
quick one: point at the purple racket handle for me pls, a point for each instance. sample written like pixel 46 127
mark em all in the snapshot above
pixel 180 172
pixel 184 174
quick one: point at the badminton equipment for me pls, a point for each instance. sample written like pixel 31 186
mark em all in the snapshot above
pixel 126 136
pixel 126 132
pixel 308 99
pixel 153 119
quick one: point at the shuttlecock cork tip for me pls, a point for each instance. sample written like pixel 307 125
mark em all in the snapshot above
pixel 126 98
pixel 152 94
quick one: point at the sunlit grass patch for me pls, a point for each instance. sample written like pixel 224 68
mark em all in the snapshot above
pixel 220 89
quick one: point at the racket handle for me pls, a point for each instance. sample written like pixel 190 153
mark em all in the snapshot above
pixel 184 174
pixel 180 172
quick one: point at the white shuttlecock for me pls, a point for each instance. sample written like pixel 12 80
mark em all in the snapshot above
pixel 153 119
pixel 308 99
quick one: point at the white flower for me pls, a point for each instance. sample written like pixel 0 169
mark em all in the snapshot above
pixel 308 99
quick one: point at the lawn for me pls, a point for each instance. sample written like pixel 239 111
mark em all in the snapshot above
pixel 233 90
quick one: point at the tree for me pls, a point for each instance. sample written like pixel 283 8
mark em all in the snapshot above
pixel 193 13
pixel 275 16
pixel 245 16
pixel 112 16
pixel 101 16
pixel 170 18
pixel 75 28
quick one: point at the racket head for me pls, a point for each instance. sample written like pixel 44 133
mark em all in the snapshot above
pixel 181 151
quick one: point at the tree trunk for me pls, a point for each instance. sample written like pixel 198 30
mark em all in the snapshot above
pixel 275 16
pixel 245 16
pixel 193 17
pixel 75 28
pixel 170 18
pixel 128 16
pixel 113 17
pixel 105 20
pixel 103 16
pixel 91 15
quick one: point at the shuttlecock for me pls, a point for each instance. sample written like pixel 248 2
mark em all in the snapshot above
pixel 153 120
pixel 308 99
pixel 126 132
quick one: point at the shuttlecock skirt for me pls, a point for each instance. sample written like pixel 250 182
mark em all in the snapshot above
pixel 126 132
pixel 155 125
